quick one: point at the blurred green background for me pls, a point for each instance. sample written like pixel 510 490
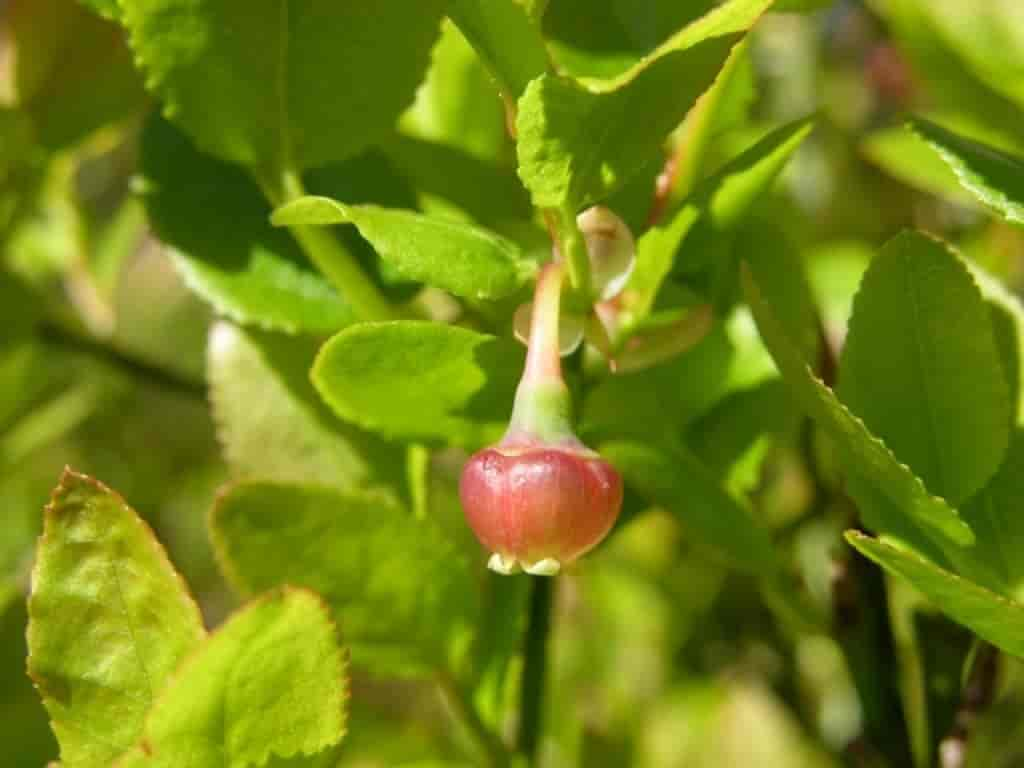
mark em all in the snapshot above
pixel 662 656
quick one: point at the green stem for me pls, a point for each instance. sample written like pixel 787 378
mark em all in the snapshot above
pixel 535 662
pixel 330 256
pixel 487 743
pixel 574 251
pixel 67 340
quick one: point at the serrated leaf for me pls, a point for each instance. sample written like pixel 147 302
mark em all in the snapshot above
pixel 464 381
pixel 864 452
pixel 459 258
pixel 282 85
pixel 577 145
pixel 507 41
pixel 994 178
pixel 400 588
pixel 907 158
pixel 989 615
pixel 73 71
pixel 269 684
pixel 369 177
pixel 577 142
pixel 274 426
pixel 715 208
pixel 677 480
pixel 215 218
pixel 909 368
pixel 109 621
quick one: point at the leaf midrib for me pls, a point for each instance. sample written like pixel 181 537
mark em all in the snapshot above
pixel 918 342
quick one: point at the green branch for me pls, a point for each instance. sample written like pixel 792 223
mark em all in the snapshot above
pixel 535 668
pixel 330 256
pixel 462 710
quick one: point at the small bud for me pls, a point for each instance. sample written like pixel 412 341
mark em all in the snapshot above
pixel 611 248
pixel 540 498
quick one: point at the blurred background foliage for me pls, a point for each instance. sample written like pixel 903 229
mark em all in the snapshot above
pixel 663 654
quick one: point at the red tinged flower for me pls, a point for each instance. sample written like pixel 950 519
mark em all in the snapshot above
pixel 540 498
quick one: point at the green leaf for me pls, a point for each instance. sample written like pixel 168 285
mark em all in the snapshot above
pixel 989 615
pixel 1008 324
pixel 994 178
pixel 834 270
pixel 951 86
pixel 677 480
pixel 108 9
pixel 464 381
pixel 781 274
pixel 274 426
pixel 864 453
pixel 369 177
pixel 460 184
pixel 459 258
pixel 715 208
pixel 109 621
pixel 270 683
pixel 577 145
pixel 73 71
pixel 507 41
pixel 989 38
pixel 931 387
pixel 398 586
pixel 730 437
pixel 283 85
pixel 457 105
pixel 906 157
pixel 994 516
pixel 578 142
pixel 603 38
pixel 215 218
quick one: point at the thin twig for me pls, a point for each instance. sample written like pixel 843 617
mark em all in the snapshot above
pixel 535 663
pixel 462 710
pixel 69 341
pixel 978 695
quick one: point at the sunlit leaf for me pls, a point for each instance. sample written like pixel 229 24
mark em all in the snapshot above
pixel 215 219
pixel 283 84
pixel 460 258
pixel 578 142
pixel 908 371
pixel 268 685
pixel 871 458
pixel 420 380
pixel 401 590
pixel 273 425
pixel 109 621
pixel 994 178
pixel 995 618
